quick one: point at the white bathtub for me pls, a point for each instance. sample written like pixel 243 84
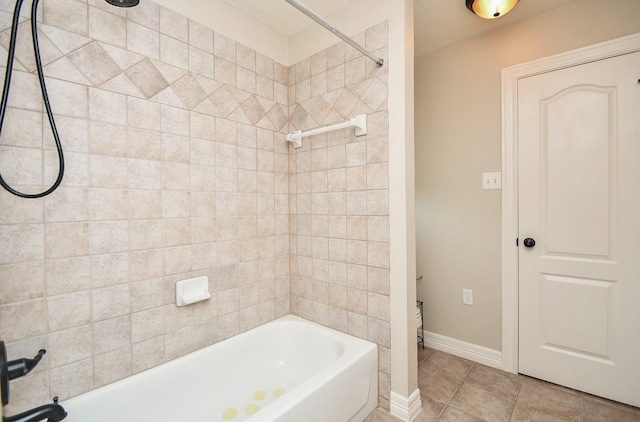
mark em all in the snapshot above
pixel 288 370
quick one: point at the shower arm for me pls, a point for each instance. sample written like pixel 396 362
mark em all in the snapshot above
pixel 320 20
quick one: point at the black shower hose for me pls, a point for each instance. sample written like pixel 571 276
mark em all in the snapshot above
pixel 45 97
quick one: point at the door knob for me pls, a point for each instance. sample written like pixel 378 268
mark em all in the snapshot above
pixel 529 242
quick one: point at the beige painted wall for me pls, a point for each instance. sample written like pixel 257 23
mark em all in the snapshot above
pixel 458 137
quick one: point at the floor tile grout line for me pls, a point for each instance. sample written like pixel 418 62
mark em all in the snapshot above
pixel 515 402
pixel 456 392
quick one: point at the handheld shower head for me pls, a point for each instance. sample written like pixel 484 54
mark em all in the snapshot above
pixel 123 3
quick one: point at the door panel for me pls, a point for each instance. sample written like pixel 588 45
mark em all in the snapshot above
pixel 579 198
pixel 578 139
pixel 585 329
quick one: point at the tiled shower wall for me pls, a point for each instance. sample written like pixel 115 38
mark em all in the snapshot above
pixel 340 195
pixel 176 166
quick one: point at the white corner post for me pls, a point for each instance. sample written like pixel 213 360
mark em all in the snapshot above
pixel 405 402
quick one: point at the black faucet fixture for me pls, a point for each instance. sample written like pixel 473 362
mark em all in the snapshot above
pixel 52 412
pixel 17 368
pixel 13 369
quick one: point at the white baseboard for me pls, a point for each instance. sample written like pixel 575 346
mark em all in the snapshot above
pixel 405 408
pixel 480 354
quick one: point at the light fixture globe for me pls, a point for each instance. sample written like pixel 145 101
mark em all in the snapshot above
pixel 491 9
pixel 123 3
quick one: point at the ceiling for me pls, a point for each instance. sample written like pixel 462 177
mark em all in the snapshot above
pixel 438 22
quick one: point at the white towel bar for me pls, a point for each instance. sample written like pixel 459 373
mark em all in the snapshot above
pixel 359 122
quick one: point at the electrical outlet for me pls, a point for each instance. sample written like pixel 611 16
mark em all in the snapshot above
pixel 467 296
pixel 491 181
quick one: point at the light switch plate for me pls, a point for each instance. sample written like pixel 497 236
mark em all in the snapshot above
pixel 492 181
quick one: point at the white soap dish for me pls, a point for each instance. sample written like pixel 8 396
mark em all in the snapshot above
pixel 192 290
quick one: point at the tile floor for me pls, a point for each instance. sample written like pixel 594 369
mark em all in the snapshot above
pixel 456 389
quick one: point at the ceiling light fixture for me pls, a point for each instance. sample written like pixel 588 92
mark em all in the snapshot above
pixel 491 9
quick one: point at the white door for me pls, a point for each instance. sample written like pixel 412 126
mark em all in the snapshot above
pixel 579 200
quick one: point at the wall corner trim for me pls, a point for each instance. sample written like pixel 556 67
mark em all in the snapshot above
pixel 405 408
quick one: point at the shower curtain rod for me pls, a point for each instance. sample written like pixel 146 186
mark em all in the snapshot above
pixel 359 122
pixel 313 15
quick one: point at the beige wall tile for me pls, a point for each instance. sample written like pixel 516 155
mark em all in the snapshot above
pixel 143 40
pixel 108 172
pixel 69 15
pixel 68 99
pixel 67 346
pixel 109 269
pixel 107 27
pixel 225 71
pixel 265 66
pixel 69 310
pixel 107 106
pixel 338 273
pixel 109 236
pixel 22 128
pixel 225 47
pixel 146 264
pixel 355 71
pixel 174 52
pixel 147 14
pixel 357 325
pixel 110 302
pixel 144 144
pixel 147 294
pixel 145 204
pixel 94 63
pixel 378 254
pixel 72 379
pixel 378 280
pixel 64 240
pixel 174 120
pixel 228 325
pixel 22 281
pixel 147 354
pixel 245 57
pixel 108 139
pixel 13 168
pixel 112 366
pixel 22 320
pixel 357 301
pixel 174 24
pixel 357 276
pixel 379 332
pixel 71 204
pixel 108 204
pixel 177 260
pixel 145 114
pixel 66 275
pixel 200 36
pixel 111 334
pixel 147 324
pixel 17 211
